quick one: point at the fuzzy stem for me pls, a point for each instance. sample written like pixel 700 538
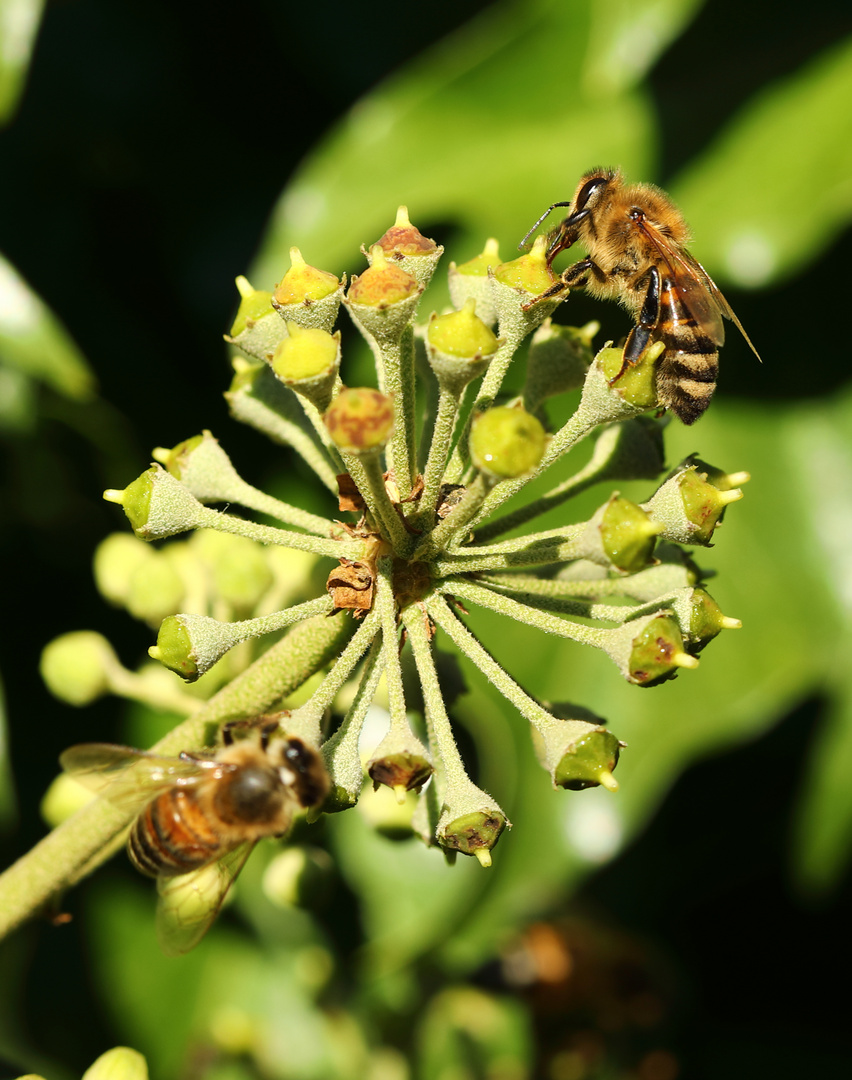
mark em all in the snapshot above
pixel 267 534
pixel 366 470
pixel 467 643
pixel 442 437
pixel 456 520
pixel 398 360
pixel 341 750
pixel 84 841
pixel 246 495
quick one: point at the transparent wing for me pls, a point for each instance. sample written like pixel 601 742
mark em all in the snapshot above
pixel 190 902
pixel 131 778
pixel 698 291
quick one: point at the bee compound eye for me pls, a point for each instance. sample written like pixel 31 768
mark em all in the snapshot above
pixel 587 190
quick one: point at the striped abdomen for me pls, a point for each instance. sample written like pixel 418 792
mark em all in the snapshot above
pixel 173 836
pixel 686 376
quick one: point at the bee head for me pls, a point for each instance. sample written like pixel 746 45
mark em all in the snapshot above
pixel 591 187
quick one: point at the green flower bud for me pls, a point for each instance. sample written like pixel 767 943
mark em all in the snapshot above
pixel 637 384
pixel 360 420
pixel 656 650
pixel 157 505
pixel 307 296
pixel 120 1063
pixel 156 589
pixel 117 558
pixel 627 534
pixel 506 442
pixel 400 762
pixel 577 754
pixel 472 280
pixel 474 833
pixel 63 799
pixel 298 877
pixel 558 360
pixel 383 284
pixel 303 284
pixel 688 506
pixel 75 667
pixel 240 570
pixel 530 272
pixel 706 620
pixel 257 329
pixel 415 253
pixel 459 346
pixel 308 361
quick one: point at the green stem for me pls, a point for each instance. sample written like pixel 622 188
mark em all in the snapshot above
pixel 442 437
pixel 366 471
pixel 267 534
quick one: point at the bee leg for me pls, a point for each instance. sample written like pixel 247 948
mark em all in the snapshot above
pixel 575 276
pixel 639 337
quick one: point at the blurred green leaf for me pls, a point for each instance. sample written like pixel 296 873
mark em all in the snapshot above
pixel 775 187
pixel 19 22
pixel 482 132
pixel 34 343
pixel 7 790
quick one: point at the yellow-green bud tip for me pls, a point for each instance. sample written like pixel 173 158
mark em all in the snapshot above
pixel 731 624
pixel 462 333
pixel 303 284
pixel 400 791
pixel 305 353
pixel 244 286
pixel 530 271
pixel 114 495
pixel 478 265
pixel 607 780
pixel 382 283
pixel 684 660
pixel 734 495
pixel 483 857
pixel 404 239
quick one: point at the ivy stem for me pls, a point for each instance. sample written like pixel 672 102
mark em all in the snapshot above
pixel 442 437
pixel 366 470
pixel 268 534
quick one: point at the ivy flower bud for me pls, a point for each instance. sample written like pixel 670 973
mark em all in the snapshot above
pixel 688 505
pixel 407 246
pixel 637 384
pixel 384 299
pixel 307 361
pixel 400 762
pixel 558 360
pixel 117 560
pixel 360 420
pixel 530 271
pixel 706 620
pixel 120 1063
pixel 649 650
pixel 156 589
pixel 307 296
pixel 472 279
pixel 471 822
pixel 506 442
pixel 459 346
pixel 75 666
pixel 239 567
pixel 158 505
pixel 619 535
pixel 577 754
pixel 256 329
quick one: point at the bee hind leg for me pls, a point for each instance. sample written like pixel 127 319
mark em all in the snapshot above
pixel 639 337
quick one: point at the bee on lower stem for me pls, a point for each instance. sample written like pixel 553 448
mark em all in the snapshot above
pixel 200 814
pixel 636 242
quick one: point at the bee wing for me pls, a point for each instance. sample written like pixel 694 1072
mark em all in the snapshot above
pixel 698 291
pixel 189 903
pixel 131 778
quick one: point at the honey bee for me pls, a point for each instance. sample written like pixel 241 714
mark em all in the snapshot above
pixel 200 814
pixel 636 242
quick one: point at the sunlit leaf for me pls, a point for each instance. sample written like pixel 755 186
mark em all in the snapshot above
pixel 19 21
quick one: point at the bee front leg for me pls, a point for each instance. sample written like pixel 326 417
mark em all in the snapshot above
pixel 575 277
pixel 639 337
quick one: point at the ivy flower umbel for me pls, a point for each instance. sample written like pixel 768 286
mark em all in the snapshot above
pixel 416 471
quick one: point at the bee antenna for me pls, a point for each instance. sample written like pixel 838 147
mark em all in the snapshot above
pixel 549 210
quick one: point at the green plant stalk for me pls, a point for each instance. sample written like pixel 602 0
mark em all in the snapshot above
pixel 439 449
pixel 467 643
pixel 543 555
pixel 449 767
pixel 399 367
pixel 341 750
pixel 504 605
pixel 390 636
pixel 267 534
pixel 244 494
pixel 366 470
pixel 316 419
pixel 307 719
pixel 586 609
pixel 456 521
pixel 84 841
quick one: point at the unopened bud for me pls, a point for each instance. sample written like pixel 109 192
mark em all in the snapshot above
pixel 636 383
pixel 117 559
pixel 382 284
pixel 120 1063
pixel 157 505
pixel 307 360
pixel 506 442
pixel 472 280
pixel 256 329
pixel 400 762
pixel 688 506
pixel 558 360
pixel 627 534
pixel 471 821
pixel 656 651
pixel 360 420
pixel 406 245
pixel 706 620
pixel 530 272
pixel 75 667
pixel 459 346
pixel 303 284
pixel 577 754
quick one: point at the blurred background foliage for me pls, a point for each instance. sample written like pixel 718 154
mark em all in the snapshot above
pixel 682 928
